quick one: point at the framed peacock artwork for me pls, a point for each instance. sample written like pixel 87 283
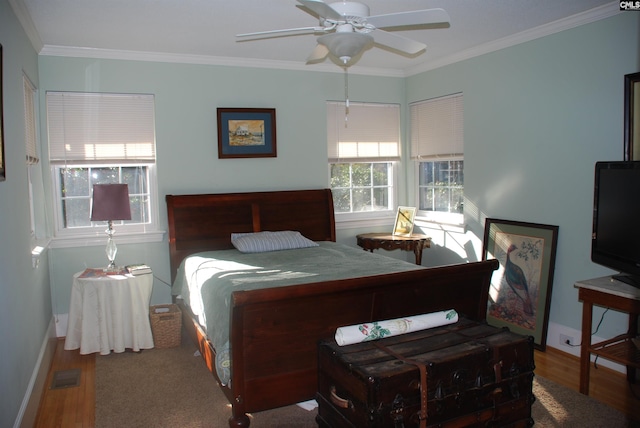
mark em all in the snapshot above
pixel 520 292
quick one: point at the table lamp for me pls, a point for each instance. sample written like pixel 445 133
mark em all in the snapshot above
pixel 110 202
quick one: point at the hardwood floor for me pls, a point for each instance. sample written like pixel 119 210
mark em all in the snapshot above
pixel 75 406
pixel 605 385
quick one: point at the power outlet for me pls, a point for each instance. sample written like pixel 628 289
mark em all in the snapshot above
pixel 566 340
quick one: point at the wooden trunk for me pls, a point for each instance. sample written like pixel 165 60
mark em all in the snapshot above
pixel 476 375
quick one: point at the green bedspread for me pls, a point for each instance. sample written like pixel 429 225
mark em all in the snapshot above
pixel 206 280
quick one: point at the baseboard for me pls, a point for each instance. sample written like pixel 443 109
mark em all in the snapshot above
pixel 29 409
pixel 62 320
pixel 555 331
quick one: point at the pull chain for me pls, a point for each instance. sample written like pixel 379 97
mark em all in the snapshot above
pixel 346 96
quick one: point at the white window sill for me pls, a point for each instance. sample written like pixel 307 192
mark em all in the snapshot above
pixel 439 225
pixel 359 220
pixel 355 221
pixel 101 239
pixel 39 246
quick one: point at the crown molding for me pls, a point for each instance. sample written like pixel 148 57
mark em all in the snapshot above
pixel 605 11
pixel 79 52
pixel 592 15
pixel 22 13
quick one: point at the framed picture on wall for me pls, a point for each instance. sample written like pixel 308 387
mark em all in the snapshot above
pixel 632 116
pixel 520 292
pixel 3 174
pixel 246 133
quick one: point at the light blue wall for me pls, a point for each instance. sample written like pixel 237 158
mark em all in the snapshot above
pixel 537 118
pixel 25 302
pixel 186 98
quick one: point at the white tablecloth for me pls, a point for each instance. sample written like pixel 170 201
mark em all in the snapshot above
pixel 109 313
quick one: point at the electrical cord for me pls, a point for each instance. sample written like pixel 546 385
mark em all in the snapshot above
pixel 594 332
pixel 162 281
pixel 595 361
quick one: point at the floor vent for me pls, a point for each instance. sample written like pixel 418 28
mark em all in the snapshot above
pixel 66 379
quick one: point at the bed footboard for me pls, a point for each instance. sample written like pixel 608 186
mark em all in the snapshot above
pixel 275 331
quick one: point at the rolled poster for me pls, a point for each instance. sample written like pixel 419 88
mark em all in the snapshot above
pixel 374 330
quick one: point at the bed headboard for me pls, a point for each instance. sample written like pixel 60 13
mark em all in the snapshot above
pixel 205 222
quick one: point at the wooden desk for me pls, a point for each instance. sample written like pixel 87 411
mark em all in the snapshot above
pixel 109 313
pixel 386 241
pixel 608 293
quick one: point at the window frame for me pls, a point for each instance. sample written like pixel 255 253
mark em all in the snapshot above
pixel 31 145
pixel 443 217
pixel 369 150
pixel 130 156
pixel 126 233
pixel 453 151
pixel 376 217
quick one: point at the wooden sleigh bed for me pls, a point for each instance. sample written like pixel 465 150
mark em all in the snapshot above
pixel 274 331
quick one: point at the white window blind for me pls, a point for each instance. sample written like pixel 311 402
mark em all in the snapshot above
pixel 100 127
pixel 30 137
pixel 370 133
pixel 437 128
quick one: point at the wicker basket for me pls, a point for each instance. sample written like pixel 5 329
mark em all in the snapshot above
pixel 166 325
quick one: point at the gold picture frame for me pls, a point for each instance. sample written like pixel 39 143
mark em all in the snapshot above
pixel 403 225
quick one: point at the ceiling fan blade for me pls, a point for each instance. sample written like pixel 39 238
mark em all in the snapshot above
pixel 279 33
pixel 416 17
pixel 322 9
pixel 399 43
pixel 319 54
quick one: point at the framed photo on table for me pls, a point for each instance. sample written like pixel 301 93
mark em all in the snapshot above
pixel 403 225
pixel 520 292
pixel 246 133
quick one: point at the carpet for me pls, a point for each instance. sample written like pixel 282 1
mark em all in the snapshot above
pixel 173 388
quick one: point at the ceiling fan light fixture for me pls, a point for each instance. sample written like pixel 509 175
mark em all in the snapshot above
pixel 350 8
pixel 346 45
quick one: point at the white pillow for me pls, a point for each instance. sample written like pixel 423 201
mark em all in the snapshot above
pixel 261 242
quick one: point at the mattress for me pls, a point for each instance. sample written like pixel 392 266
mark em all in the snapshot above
pixel 205 281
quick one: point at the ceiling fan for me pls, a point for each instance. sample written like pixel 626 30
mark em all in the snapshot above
pixel 347 30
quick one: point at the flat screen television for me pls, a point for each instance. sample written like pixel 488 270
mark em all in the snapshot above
pixel 615 242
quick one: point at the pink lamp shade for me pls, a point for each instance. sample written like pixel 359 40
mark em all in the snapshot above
pixel 110 202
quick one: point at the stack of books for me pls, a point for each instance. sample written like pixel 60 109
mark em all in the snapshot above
pixel 138 269
pixel 101 272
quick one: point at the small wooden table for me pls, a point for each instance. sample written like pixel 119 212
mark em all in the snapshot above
pixel 387 241
pixel 608 293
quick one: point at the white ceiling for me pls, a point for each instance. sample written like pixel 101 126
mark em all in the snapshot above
pixel 203 31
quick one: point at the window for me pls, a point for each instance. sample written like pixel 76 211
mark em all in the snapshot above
pixel 359 187
pixel 437 147
pixel 98 138
pixel 441 186
pixel 75 184
pixel 30 140
pixel 363 147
